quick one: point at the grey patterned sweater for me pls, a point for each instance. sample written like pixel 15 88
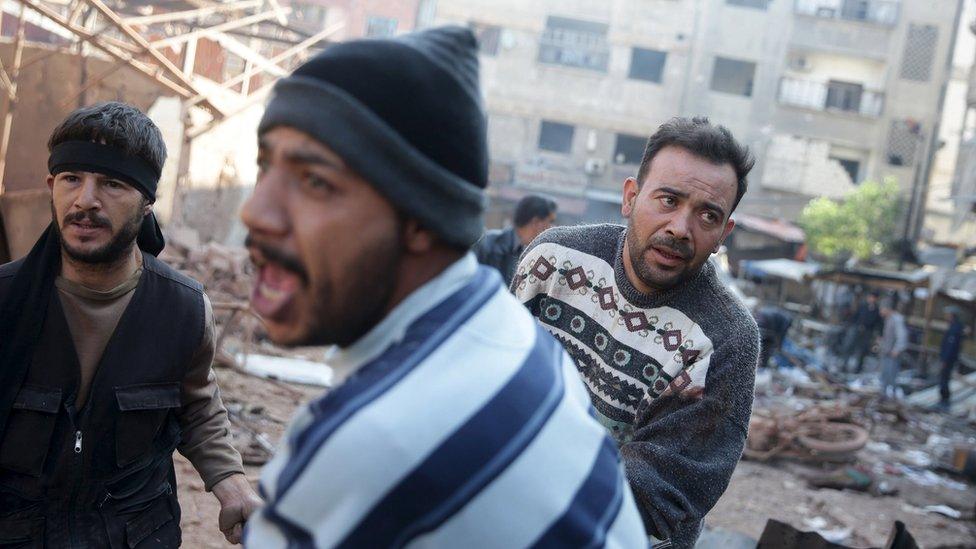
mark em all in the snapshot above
pixel 670 374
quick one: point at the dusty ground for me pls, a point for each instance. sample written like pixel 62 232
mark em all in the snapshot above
pixel 757 492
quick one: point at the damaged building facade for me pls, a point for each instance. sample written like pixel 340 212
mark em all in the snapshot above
pixel 827 93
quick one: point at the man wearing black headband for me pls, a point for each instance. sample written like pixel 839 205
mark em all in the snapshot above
pixel 105 358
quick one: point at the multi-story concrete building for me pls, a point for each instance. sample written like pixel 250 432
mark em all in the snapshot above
pixel 358 18
pixel 827 93
pixel 950 215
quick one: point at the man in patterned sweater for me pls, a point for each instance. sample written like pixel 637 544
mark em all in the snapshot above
pixel 667 353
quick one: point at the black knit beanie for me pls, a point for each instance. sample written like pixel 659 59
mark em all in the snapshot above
pixel 406 115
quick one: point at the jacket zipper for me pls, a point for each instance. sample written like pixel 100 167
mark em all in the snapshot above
pixel 77 465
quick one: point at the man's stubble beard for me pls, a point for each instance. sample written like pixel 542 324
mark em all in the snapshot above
pixel 113 251
pixel 645 273
pixel 364 304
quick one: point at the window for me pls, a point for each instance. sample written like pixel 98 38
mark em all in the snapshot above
pixel 309 15
pixel 575 43
pixel 732 76
pixel 904 138
pixel 852 167
pixel 556 137
pixel 916 63
pixel 758 4
pixel 488 37
pixel 647 64
pixel 629 149
pixel 858 10
pixel 379 27
pixel 845 96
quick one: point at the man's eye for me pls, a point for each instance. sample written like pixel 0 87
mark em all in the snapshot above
pixel 318 184
pixel 113 184
pixel 669 201
pixel 71 178
pixel 710 217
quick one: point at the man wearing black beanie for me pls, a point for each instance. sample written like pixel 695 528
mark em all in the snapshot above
pixel 453 417
pixel 105 358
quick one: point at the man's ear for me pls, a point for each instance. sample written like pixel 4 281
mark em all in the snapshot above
pixel 725 234
pixel 416 238
pixel 631 190
pixel 50 182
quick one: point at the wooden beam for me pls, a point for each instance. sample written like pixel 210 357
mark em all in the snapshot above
pixel 183 79
pixel 256 97
pixel 291 52
pixel 190 15
pixel 76 11
pixel 11 100
pixel 280 13
pixel 6 82
pixel 235 47
pixel 153 73
pixel 209 31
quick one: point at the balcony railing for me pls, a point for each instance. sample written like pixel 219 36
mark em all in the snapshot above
pixel 881 12
pixel 831 97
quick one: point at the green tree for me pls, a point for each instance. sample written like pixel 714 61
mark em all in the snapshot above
pixel 862 225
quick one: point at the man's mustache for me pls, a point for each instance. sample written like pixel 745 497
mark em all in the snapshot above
pixel 91 217
pixel 275 255
pixel 677 247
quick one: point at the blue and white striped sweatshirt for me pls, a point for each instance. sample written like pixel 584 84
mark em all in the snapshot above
pixel 458 423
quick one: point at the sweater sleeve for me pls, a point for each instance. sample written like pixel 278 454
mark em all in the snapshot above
pixel 685 447
pixel 206 440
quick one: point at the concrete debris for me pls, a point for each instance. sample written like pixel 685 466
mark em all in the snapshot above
pixel 294 370
pixel 224 271
pixel 722 538
pixel 944 510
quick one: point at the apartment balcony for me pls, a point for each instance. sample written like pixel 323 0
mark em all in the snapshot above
pixel 878 12
pixel 861 28
pixel 834 97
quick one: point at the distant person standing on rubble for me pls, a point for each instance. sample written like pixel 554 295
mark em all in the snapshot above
pixel 668 354
pixel 502 248
pixel 862 330
pixel 105 358
pixel 894 342
pixel 774 324
pixel 949 354
pixel 454 420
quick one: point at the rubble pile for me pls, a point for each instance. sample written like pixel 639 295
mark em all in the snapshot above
pixel 839 435
pixel 224 271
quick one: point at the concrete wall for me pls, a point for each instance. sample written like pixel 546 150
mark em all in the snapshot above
pixel 943 222
pixel 46 91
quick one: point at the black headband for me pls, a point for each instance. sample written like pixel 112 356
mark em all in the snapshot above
pixel 85 156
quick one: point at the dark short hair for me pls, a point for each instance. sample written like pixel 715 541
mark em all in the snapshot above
pixel 117 124
pixel 702 138
pixel 533 207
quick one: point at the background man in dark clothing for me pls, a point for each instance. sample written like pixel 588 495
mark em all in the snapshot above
pixel 501 248
pixel 774 323
pixel 949 353
pixel 864 325
pixel 668 354
pixel 105 358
